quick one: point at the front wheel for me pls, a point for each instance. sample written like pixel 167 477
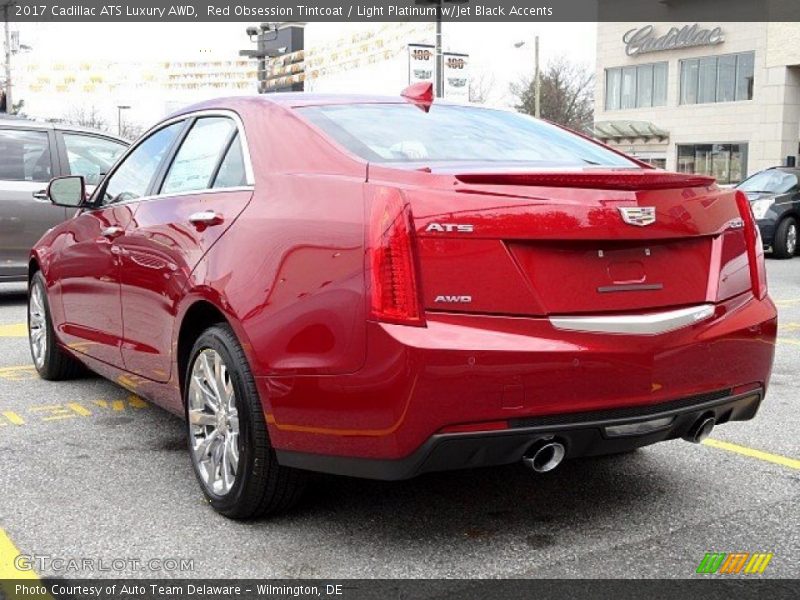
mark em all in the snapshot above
pixel 785 244
pixel 50 360
pixel 228 442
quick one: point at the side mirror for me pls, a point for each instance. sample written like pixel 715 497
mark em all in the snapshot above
pixel 69 191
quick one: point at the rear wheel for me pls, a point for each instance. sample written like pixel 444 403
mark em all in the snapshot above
pixel 785 244
pixel 228 442
pixel 50 360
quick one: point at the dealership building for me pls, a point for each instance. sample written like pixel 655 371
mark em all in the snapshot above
pixel 713 98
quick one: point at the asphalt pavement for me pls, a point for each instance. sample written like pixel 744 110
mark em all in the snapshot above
pixel 91 472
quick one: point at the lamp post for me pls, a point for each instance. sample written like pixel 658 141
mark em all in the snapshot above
pixel 537 82
pixel 120 108
pixel 265 36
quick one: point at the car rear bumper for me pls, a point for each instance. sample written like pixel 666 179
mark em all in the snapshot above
pixel 419 384
pixel 585 434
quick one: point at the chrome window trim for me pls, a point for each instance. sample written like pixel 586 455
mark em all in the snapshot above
pixel 216 112
pixel 646 324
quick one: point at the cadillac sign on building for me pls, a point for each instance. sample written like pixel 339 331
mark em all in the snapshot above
pixel 645 39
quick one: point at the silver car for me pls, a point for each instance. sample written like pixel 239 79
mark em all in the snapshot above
pixel 31 153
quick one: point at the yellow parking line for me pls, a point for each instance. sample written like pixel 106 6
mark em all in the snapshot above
pixel 14 330
pixel 21 373
pixel 788 341
pixel 8 568
pixel 777 459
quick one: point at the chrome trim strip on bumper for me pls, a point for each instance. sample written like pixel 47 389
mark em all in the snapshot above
pixel 648 324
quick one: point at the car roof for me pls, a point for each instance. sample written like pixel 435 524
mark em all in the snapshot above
pixel 297 100
pixel 14 122
pixel 794 170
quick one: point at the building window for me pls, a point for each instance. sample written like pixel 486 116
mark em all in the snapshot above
pixel 725 78
pixel 636 87
pixel 726 162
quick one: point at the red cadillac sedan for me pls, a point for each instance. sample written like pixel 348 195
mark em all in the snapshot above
pixel 383 287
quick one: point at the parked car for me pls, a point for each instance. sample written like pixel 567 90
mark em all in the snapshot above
pixel 383 287
pixel 774 196
pixel 31 153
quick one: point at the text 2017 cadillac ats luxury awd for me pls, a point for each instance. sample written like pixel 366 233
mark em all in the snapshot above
pixel 383 287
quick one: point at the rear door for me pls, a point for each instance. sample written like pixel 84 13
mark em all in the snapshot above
pixel 200 192
pixel 27 163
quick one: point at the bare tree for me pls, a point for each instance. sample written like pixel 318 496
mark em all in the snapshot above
pixel 86 116
pixel 567 94
pixel 130 131
pixel 480 86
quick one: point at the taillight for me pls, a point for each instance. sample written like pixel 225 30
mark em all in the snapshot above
pixel 394 295
pixel 755 248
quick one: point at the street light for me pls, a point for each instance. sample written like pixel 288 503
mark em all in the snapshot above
pixel 262 36
pixel 120 108
pixel 537 84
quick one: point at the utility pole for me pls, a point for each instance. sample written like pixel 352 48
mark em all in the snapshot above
pixel 537 90
pixel 439 57
pixel 7 27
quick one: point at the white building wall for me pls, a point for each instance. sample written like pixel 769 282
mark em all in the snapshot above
pixel 769 123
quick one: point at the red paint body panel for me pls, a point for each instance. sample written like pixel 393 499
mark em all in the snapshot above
pixel 458 369
pixel 286 267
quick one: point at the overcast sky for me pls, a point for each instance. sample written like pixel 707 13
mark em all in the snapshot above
pixel 490 45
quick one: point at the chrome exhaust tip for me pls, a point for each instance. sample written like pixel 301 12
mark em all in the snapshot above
pixel 701 429
pixel 544 456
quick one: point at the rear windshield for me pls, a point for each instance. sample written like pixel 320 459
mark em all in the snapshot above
pixel 398 133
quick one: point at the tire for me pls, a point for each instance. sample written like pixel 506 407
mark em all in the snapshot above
pixel 51 360
pixel 785 244
pixel 236 468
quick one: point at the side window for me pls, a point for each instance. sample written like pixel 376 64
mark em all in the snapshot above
pixel 199 155
pixel 91 156
pixel 231 171
pixel 24 155
pixel 133 177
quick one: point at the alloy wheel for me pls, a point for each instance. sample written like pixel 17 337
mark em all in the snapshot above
pixel 213 422
pixel 37 325
pixel 791 239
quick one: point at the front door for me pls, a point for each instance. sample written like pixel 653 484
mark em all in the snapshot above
pixel 87 270
pixel 90 253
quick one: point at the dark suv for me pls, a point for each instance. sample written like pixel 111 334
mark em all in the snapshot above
pixel 31 153
pixel 774 196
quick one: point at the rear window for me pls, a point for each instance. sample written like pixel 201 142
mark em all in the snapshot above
pixel 398 133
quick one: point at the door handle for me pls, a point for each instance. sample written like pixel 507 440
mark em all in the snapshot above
pixel 112 232
pixel 40 195
pixel 205 218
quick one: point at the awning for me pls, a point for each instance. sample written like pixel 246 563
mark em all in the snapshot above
pixel 629 130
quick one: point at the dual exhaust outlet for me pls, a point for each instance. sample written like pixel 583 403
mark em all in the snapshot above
pixel 545 455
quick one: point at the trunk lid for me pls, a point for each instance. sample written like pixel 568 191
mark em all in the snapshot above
pixel 573 242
